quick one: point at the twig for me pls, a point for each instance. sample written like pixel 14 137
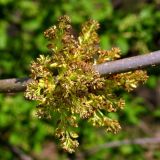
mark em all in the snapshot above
pixel 13 85
pixel 19 153
pixel 118 66
pixel 129 64
pixel 114 144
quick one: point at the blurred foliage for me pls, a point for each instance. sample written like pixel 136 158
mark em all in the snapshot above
pixel 131 25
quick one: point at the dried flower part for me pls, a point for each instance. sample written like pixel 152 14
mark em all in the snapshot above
pixel 130 80
pixel 67 87
pixel 108 55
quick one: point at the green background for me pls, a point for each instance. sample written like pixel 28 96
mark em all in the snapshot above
pixel 132 25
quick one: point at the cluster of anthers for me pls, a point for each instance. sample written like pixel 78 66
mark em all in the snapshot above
pixel 67 87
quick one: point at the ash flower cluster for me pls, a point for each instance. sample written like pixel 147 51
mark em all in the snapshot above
pixel 67 87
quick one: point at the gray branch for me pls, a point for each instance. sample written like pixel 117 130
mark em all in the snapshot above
pixel 14 85
pixel 16 151
pixel 114 144
pixel 129 64
pixel 112 67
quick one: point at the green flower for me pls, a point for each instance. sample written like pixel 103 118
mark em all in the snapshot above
pixel 67 87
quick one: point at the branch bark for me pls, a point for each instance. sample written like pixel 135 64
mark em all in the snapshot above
pixel 14 85
pixel 114 144
pixel 16 151
pixel 129 64
pixel 112 67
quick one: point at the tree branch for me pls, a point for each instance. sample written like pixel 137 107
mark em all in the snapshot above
pixel 16 151
pixel 129 64
pixel 13 85
pixel 114 144
pixel 112 67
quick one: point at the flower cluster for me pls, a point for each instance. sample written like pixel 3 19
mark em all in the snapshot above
pixel 67 87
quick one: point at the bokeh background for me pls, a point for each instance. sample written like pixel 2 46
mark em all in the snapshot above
pixel 132 25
